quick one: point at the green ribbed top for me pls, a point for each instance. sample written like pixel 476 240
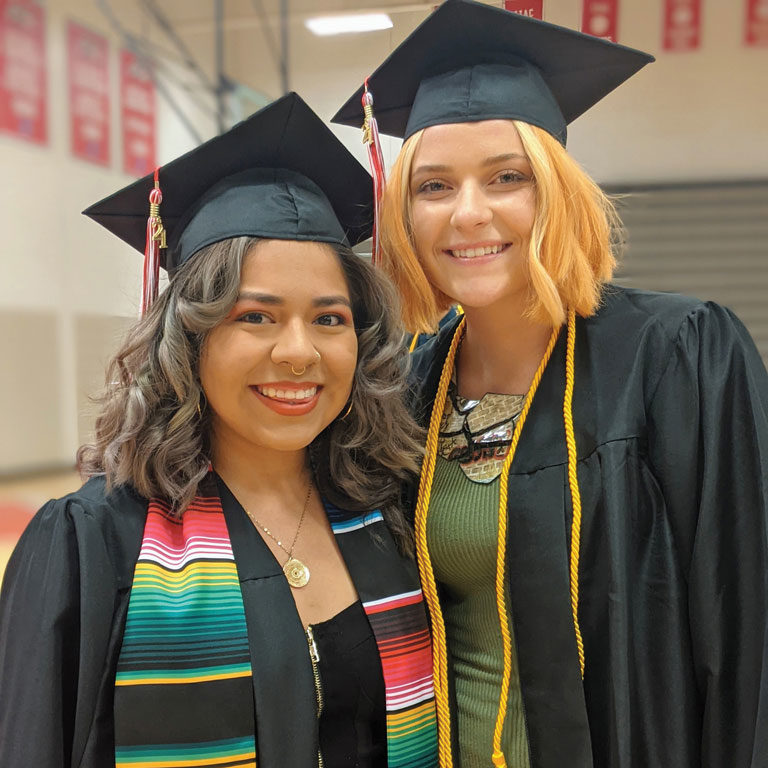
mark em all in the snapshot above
pixel 462 529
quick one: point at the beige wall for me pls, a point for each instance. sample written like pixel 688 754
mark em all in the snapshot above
pixel 68 288
pixel 32 429
pixel 95 337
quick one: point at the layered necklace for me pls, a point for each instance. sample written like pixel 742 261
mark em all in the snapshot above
pixel 296 572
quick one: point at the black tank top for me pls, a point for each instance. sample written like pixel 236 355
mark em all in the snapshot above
pixel 353 730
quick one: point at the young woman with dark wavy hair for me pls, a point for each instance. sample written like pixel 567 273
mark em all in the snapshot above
pixel 234 584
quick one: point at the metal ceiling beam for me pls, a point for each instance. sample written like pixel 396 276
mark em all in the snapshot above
pixel 217 87
pixel 284 46
pixel 220 90
pixel 266 30
pixel 279 55
pixel 132 43
pixel 165 25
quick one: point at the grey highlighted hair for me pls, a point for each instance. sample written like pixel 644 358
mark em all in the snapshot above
pixel 153 429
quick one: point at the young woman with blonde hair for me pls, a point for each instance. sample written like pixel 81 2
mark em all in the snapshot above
pixel 592 515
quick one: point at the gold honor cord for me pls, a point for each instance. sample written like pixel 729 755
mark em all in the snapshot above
pixel 573 483
pixel 440 654
pixel 426 572
pixel 501 555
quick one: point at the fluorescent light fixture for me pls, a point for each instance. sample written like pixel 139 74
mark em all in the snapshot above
pixel 340 25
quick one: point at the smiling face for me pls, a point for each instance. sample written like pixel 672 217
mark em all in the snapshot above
pixel 293 313
pixel 473 204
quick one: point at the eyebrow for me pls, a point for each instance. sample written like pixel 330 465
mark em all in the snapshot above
pixel 488 161
pixel 271 299
pixel 430 169
pixel 330 301
pixel 260 298
pixel 503 158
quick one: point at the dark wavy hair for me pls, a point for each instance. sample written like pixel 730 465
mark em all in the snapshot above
pixel 152 433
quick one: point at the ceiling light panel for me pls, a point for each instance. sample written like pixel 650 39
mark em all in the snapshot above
pixel 351 23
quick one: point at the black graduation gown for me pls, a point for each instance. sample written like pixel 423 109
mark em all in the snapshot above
pixel 62 616
pixel 671 419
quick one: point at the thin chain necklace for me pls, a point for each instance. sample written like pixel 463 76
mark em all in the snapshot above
pixel 296 572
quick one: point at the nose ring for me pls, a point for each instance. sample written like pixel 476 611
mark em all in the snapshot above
pixel 303 369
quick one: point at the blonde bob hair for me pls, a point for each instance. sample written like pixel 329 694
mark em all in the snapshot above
pixel 571 252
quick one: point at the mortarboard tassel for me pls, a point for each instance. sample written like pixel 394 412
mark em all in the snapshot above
pixel 376 160
pixel 155 241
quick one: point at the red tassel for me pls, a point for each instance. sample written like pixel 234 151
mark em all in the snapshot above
pixel 155 241
pixel 376 160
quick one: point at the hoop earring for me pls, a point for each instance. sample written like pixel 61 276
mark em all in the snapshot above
pixel 298 373
pixel 347 412
pixel 205 404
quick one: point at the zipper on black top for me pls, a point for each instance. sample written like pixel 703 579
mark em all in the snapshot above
pixel 314 657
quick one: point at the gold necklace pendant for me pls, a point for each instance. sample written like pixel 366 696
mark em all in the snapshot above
pixel 296 573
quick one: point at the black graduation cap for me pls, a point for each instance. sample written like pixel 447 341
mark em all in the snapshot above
pixel 469 61
pixel 279 174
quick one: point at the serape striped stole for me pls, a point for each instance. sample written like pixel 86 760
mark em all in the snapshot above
pixel 183 690
pixel 399 624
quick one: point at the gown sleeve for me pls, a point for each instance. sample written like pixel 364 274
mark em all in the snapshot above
pixel 708 444
pixel 40 643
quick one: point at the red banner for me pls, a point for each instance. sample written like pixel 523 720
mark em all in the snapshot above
pixel 137 110
pixel 601 18
pixel 756 31
pixel 23 76
pixel 532 8
pixel 88 72
pixel 682 25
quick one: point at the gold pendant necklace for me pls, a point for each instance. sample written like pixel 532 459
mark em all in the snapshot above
pixel 296 572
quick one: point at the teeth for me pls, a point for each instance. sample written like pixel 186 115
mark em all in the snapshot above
pixel 288 394
pixel 470 253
